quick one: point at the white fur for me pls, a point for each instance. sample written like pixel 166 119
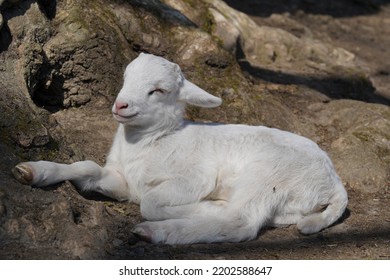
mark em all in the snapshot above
pixel 201 182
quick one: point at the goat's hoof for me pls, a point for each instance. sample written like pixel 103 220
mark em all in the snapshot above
pixel 141 233
pixel 23 174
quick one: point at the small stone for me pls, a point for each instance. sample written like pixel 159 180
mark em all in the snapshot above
pixel 34 138
pixel 41 140
pixel 117 242
pixel 24 140
pixel 73 91
pixel 78 100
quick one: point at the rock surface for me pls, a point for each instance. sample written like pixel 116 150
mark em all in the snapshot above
pixel 61 65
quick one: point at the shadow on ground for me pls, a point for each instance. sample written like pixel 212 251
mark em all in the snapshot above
pixel 341 8
pixel 354 87
pixel 323 245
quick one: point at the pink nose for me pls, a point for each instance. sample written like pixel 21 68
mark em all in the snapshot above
pixel 121 105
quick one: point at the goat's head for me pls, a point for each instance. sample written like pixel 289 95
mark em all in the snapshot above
pixel 154 91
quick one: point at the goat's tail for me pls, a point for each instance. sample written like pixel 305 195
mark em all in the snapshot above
pixel 315 222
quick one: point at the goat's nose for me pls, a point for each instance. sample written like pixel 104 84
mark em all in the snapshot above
pixel 121 105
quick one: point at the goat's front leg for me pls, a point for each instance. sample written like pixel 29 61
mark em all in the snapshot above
pixel 85 175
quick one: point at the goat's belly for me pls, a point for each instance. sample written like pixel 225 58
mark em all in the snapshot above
pixel 265 163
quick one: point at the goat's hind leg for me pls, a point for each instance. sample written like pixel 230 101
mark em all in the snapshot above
pixel 200 229
pixel 209 222
pixel 85 175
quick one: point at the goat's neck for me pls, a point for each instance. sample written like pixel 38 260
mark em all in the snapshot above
pixel 146 136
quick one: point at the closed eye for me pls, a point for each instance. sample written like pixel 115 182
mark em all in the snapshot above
pixel 157 90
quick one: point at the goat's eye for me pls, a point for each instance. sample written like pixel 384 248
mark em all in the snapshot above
pixel 157 90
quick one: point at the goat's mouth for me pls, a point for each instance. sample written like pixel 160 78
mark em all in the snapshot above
pixel 124 118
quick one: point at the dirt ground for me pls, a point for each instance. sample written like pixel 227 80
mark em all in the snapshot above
pixel 364 230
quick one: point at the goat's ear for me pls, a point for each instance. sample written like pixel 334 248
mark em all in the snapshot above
pixel 194 95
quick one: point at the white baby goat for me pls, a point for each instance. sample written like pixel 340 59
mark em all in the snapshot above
pixel 200 182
